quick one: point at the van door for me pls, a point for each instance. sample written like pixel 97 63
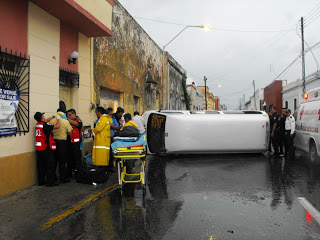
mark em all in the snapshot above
pixel 156 133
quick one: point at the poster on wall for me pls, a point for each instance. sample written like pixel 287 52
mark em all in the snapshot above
pixel 9 101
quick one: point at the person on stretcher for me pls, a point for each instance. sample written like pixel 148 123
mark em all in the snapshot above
pixel 128 121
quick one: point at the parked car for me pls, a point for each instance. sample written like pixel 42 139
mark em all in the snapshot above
pixel 307 117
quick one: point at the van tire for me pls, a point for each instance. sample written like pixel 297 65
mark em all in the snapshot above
pixel 313 154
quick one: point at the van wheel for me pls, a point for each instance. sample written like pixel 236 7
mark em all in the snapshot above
pixel 313 154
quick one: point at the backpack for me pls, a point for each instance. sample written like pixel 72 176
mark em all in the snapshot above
pixel 92 175
pixel 129 131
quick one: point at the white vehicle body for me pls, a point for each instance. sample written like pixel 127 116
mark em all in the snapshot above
pixel 223 132
pixel 307 118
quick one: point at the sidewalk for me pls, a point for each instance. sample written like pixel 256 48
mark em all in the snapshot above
pixel 24 212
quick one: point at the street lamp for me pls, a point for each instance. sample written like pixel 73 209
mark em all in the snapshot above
pixel 205 91
pixel 205 27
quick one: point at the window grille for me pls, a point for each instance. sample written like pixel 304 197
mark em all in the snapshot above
pixel 15 75
pixel 68 78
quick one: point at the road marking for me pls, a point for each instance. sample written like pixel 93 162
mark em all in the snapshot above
pixel 311 209
pixel 76 208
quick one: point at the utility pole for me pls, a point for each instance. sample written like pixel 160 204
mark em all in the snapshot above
pixel 205 91
pixel 302 56
pixel 254 94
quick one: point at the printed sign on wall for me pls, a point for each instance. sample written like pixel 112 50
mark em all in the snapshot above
pixel 9 101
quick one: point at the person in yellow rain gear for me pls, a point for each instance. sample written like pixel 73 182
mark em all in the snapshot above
pixel 102 139
pixel 128 121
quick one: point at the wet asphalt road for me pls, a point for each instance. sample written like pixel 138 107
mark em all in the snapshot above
pixel 205 197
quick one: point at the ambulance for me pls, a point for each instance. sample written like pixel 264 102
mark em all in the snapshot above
pixel 307 117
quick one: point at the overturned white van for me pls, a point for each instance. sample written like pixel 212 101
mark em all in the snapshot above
pixel 222 132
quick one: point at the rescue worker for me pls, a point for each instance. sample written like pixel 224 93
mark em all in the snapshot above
pixel 275 130
pixel 74 142
pixel 60 136
pixel 128 122
pixel 140 122
pixel 118 115
pixel 114 127
pixel 282 131
pixel 102 137
pixel 45 145
pixel 270 120
pixel 290 134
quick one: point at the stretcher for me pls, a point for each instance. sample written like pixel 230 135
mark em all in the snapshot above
pixel 128 151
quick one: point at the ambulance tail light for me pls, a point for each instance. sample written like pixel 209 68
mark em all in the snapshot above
pixel 306 96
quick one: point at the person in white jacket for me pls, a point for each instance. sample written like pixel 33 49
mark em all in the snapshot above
pixel 290 125
pixel 140 122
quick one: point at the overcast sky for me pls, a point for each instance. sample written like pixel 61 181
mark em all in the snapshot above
pixel 249 40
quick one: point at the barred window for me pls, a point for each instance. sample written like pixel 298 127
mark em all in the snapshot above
pixel 14 76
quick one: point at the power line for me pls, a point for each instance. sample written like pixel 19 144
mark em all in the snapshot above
pixel 307 24
pixel 229 94
pixel 217 29
pixel 307 50
pixel 311 12
pixel 161 21
pixel 252 31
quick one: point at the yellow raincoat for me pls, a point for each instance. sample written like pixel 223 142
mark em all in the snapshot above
pixel 101 143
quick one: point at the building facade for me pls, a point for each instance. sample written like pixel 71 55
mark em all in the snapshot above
pixel 292 94
pixel 128 66
pixel 217 103
pixel 256 102
pixel 208 98
pixel 196 95
pixel 211 102
pixel 175 79
pixel 37 39
pixel 273 95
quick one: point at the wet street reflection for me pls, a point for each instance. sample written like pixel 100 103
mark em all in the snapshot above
pixel 241 196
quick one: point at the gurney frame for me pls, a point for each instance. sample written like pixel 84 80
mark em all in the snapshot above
pixel 124 154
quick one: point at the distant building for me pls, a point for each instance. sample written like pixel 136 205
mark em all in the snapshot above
pixel 258 103
pixel 211 102
pixel 273 95
pixel 208 98
pixel 217 103
pixel 196 95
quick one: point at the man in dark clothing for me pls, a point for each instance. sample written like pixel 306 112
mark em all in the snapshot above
pixel 118 115
pixel 270 120
pixel 45 146
pixel 275 130
pixel 282 131
pixel 74 141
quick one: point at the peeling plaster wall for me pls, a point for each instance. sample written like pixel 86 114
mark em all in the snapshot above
pixel 177 78
pixel 126 61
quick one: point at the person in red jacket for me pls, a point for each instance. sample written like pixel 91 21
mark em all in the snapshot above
pixel 45 145
pixel 74 141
